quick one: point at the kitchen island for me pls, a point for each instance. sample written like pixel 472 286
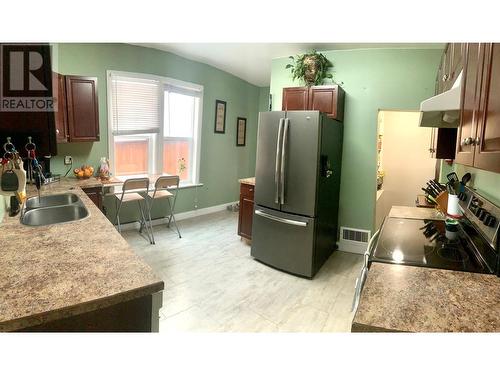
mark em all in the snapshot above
pixel 399 298
pixel 74 276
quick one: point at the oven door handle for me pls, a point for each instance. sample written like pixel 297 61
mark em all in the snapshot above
pixel 360 281
pixel 369 247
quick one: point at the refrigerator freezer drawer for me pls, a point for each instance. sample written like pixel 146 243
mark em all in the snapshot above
pixel 283 241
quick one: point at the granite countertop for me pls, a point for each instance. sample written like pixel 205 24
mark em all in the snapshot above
pixel 410 212
pixel 419 299
pixel 247 181
pixel 55 271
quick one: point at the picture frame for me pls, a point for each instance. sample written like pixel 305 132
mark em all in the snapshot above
pixel 241 131
pixel 220 116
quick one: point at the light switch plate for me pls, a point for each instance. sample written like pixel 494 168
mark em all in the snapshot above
pixel 68 160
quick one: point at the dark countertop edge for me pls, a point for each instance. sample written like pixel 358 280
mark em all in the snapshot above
pixel 81 308
pixel 364 328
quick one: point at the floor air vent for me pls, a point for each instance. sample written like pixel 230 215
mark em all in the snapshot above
pixel 354 240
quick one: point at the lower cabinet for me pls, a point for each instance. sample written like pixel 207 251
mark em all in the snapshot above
pixel 95 195
pixel 137 315
pixel 246 211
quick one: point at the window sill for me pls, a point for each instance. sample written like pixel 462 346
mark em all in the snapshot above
pixel 187 186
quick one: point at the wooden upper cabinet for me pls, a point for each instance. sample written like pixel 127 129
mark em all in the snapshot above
pixel 487 143
pixel 60 115
pixel 82 106
pixel 326 99
pixel 450 66
pixel 295 99
pixel 457 61
pixel 471 85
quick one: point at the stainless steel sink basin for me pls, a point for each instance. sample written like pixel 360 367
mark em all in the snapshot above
pixel 52 200
pixel 54 215
pixel 53 209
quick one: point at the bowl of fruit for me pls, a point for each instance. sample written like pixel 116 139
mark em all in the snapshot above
pixel 86 171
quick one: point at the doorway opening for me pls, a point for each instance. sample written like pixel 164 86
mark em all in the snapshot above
pixel 403 161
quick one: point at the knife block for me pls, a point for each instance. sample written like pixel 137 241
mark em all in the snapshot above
pixel 442 202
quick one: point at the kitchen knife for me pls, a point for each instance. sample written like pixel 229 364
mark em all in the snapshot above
pixel 429 192
pixel 433 189
pixel 437 185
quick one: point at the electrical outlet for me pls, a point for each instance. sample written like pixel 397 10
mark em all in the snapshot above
pixel 68 160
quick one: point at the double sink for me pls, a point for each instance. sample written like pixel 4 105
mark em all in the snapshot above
pixel 53 209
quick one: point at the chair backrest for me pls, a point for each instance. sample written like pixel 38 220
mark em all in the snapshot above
pixel 165 182
pixel 136 183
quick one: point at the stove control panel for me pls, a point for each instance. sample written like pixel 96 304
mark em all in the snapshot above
pixel 484 214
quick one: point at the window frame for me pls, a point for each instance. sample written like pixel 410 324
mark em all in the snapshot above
pixel 155 164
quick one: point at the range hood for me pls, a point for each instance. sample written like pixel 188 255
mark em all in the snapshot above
pixel 443 110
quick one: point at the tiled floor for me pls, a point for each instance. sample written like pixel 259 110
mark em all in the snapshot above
pixel 213 284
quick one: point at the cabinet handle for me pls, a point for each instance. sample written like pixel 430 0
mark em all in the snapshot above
pixel 445 77
pixel 57 131
pixel 467 141
pixel 476 141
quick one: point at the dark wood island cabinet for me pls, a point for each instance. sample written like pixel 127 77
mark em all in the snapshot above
pixel 245 219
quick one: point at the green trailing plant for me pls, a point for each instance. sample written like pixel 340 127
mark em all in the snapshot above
pixel 312 68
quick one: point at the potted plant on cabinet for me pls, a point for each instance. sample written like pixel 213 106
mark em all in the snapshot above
pixel 312 68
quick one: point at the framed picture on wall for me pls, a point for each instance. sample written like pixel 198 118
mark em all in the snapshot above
pixel 241 131
pixel 220 116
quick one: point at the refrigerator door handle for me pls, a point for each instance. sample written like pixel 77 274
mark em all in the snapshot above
pixel 277 163
pixel 280 219
pixel 283 159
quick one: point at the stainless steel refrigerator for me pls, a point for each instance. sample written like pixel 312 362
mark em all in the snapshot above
pixel 297 184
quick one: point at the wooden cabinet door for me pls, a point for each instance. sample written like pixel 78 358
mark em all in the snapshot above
pixel 487 144
pixel 60 115
pixel 295 99
pixel 95 195
pixel 83 112
pixel 246 211
pixel 327 99
pixel 441 73
pixel 456 61
pixel 471 83
pixel 447 61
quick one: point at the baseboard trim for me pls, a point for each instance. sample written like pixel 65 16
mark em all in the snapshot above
pixel 182 215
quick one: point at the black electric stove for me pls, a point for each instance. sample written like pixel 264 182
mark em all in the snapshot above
pixel 427 243
pixel 470 244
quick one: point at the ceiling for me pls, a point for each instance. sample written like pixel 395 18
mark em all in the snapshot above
pixel 252 61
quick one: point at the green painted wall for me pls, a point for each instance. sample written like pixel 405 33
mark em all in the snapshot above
pixel 264 99
pixel 373 79
pixel 486 183
pixel 222 163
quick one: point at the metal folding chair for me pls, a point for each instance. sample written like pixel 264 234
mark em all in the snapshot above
pixel 162 186
pixel 130 193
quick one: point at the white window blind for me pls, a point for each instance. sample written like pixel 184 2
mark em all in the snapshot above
pixel 136 105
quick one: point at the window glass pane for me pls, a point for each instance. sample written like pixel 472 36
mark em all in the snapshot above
pixel 179 115
pixel 131 155
pixel 177 158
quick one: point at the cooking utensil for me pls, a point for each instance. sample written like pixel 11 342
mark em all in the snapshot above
pixel 466 178
pixel 452 177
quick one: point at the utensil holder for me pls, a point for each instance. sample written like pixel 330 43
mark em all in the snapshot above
pixel 453 208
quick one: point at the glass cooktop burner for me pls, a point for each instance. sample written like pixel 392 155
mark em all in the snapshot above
pixel 426 243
